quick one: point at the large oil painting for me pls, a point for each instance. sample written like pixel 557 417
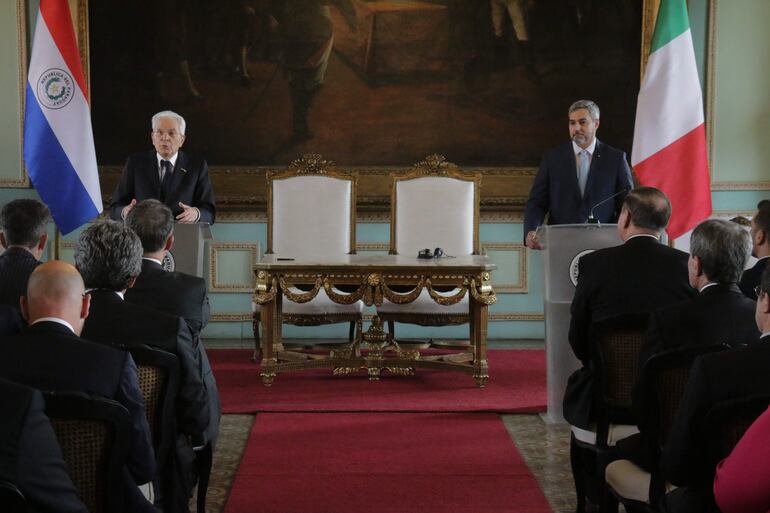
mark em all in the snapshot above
pixel 366 84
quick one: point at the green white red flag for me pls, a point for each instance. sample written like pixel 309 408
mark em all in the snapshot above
pixel 670 135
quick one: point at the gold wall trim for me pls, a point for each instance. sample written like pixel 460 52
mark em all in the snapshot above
pixel 258 215
pixel 739 186
pixel 372 246
pixel 511 288
pixel 710 63
pixel 214 249
pixel 516 316
pixel 21 32
pixel 231 317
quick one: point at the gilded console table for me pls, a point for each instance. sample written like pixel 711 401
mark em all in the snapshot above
pixel 371 279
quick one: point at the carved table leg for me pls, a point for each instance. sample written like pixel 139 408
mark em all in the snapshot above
pixel 478 337
pixel 271 338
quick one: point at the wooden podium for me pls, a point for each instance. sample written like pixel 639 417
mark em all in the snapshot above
pixel 563 246
pixel 186 255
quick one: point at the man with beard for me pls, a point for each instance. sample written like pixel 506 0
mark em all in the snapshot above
pixel 575 177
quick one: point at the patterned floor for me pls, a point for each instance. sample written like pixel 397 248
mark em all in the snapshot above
pixel 545 448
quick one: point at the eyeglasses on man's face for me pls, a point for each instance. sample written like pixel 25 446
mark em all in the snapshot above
pixel 758 291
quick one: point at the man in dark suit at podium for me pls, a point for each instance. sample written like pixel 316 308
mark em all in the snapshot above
pixel 634 278
pixel 576 178
pixel 760 238
pixel 168 174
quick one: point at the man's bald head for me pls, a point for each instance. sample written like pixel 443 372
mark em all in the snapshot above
pixel 55 289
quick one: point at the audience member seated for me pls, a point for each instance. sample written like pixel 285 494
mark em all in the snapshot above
pixel 10 320
pixel 109 256
pixel 760 239
pixel 30 456
pixel 742 481
pixel 720 314
pixel 50 355
pixel 715 377
pixel 178 294
pixel 24 223
pixel 633 278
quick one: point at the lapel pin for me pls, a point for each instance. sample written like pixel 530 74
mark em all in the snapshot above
pixel 183 170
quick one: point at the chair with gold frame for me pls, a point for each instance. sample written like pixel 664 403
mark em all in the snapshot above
pixel 311 212
pixel 434 205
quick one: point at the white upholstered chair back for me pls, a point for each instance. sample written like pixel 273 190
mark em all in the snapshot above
pixel 311 214
pixel 435 211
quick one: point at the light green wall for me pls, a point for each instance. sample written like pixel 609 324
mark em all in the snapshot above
pixel 741 92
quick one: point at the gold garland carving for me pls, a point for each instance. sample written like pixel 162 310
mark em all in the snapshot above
pixel 300 297
pixel 344 299
pixel 483 297
pixel 401 299
pixel 264 294
pixel 447 300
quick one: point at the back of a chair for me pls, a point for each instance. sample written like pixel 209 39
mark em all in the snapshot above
pixel 616 344
pixel 667 373
pixel 158 373
pixel 435 205
pixel 11 499
pixel 727 421
pixel 311 209
pixel 93 434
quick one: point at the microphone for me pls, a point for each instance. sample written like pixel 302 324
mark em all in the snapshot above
pixel 591 219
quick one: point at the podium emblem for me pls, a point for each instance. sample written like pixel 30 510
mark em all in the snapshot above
pixel 168 262
pixel 574 269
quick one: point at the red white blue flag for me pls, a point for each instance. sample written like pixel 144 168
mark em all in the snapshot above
pixel 58 139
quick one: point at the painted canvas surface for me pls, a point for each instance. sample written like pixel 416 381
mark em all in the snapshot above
pixel 365 83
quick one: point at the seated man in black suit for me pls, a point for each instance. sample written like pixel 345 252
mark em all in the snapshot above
pixel 719 314
pixel 50 355
pixel 760 238
pixel 168 174
pixel 109 255
pixel 24 223
pixel 715 377
pixel 634 278
pixel 30 456
pixel 175 293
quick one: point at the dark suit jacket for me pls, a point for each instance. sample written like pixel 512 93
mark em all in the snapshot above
pixel 185 296
pixel 556 192
pixel 30 456
pixel 49 356
pixel 752 277
pixel 10 320
pixel 175 293
pixel 16 264
pixel 633 278
pixel 114 321
pixel 720 314
pixel 716 377
pixel 190 184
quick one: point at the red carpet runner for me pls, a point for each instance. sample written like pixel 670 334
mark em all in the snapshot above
pixel 516 385
pixel 383 463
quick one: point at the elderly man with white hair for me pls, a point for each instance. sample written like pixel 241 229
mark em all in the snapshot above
pixel 168 174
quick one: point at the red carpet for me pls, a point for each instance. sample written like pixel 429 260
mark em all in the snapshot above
pixel 516 385
pixel 383 463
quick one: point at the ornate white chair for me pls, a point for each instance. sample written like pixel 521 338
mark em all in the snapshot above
pixel 311 212
pixel 434 205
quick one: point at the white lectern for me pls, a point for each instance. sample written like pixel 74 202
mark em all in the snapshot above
pixel 187 252
pixel 563 246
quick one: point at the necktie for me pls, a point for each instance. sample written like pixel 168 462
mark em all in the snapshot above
pixel 584 162
pixel 165 181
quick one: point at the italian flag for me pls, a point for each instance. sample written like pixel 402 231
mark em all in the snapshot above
pixel 670 135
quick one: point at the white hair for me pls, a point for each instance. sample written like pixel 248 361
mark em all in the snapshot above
pixel 171 115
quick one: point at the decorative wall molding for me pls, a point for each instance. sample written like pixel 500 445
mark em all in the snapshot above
pixel 258 214
pixel 516 288
pixel 231 317
pixel 214 249
pixel 493 316
pixel 516 316
pixel 372 246
pixel 21 64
